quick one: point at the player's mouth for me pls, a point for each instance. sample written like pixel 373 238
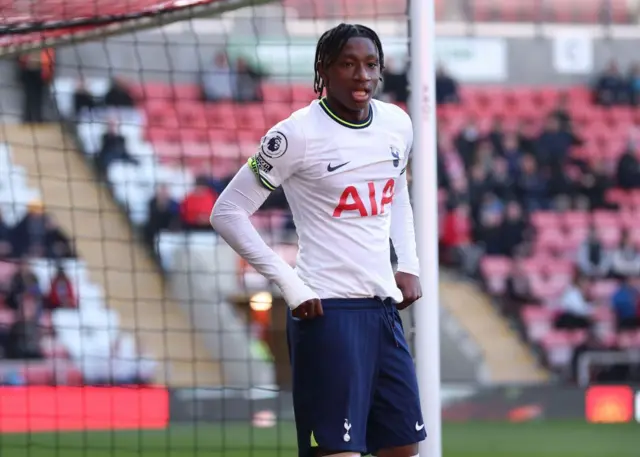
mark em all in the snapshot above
pixel 361 96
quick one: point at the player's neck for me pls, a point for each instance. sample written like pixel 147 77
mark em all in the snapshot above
pixel 346 117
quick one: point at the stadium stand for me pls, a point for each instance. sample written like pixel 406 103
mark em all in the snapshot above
pixel 547 278
pixel 47 296
pixel 180 140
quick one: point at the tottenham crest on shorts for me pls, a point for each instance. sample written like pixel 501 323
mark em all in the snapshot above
pixel 274 145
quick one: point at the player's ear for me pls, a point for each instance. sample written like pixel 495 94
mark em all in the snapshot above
pixel 321 72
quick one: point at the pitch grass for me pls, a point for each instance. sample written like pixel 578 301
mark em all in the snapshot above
pixel 543 439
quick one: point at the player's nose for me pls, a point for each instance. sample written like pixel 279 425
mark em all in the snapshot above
pixel 362 73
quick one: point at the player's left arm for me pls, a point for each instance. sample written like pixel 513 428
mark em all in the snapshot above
pixel 403 237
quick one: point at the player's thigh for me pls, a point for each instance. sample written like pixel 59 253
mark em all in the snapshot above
pixel 333 370
pixel 395 419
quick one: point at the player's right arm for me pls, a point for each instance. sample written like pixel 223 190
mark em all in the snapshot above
pixel 279 156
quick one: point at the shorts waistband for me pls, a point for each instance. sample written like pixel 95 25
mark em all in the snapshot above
pixel 356 303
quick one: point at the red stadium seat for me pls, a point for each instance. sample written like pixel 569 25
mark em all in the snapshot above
pixel 495 271
pixel 252 117
pixel 157 91
pixel 39 374
pixel 559 345
pixel 545 219
pixel 7 270
pixel 603 290
pixel 575 219
pixel 187 92
pixel 221 116
pixel 538 321
pixel 191 115
pixel 7 318
pixel 276 93
pixel 629 340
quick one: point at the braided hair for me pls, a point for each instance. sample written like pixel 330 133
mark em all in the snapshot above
pixel 332 42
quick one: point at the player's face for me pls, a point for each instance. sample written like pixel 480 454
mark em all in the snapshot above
pixel 353 78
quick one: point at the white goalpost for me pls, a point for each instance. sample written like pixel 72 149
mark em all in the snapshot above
pixel 425 200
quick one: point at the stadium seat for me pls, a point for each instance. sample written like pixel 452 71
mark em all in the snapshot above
pixel 495 271
pixel 629 340
pixel 191 114
pixel 538 321
pixel 559 344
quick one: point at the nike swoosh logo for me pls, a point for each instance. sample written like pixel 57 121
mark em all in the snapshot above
pixel 419 427
pixel 330 168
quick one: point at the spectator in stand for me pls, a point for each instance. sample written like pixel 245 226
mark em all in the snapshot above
pixel 553 144
pixel 593 259
pixel 219 81
pixel 610 88
pixel 196 207
pixel 496 135
pixel 593 342
pixel 490 228
pixel 561 188
pixel 575 308
pixel 61 293
pixel 83 100
pixel 37 235
pixel 628 170
pixel 512 154
pixel 625 260
pixel 527 136
pixel 501 181
pixel 456 233
pixel 485 156
pixel 633 84
pixel 29 235
pixel 625 305
pixel 396 84
pixel 164 214
pixel 561 112
pixel 446 87
pixel 35 73
pixel 514 227
pixel 459 193
pixel 479 186
pixel 57 244
pixel 449 163
pixel 22 281
pixel 531 187
pixel 248 82
pixel 113 148
pixel 6 247
pixel 467 142
pixel 594 184
pixel 25 335
pixel 518 287
pixel 118 95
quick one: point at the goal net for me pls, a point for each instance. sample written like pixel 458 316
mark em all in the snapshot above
pixel 126 326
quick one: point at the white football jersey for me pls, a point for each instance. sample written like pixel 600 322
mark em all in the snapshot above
pixel 339 179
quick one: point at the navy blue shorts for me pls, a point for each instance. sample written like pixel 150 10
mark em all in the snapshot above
pixel 354 381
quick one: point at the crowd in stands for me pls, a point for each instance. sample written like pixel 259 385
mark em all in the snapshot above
pixel 501 177
pixel 24 302
pixel 527 211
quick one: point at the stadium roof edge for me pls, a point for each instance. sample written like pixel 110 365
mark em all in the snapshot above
pixel 7 49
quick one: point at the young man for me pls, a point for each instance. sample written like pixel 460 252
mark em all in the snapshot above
pixel 341 162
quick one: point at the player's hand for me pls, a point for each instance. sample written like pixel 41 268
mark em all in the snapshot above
pixel 309 309
pixel 410 287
